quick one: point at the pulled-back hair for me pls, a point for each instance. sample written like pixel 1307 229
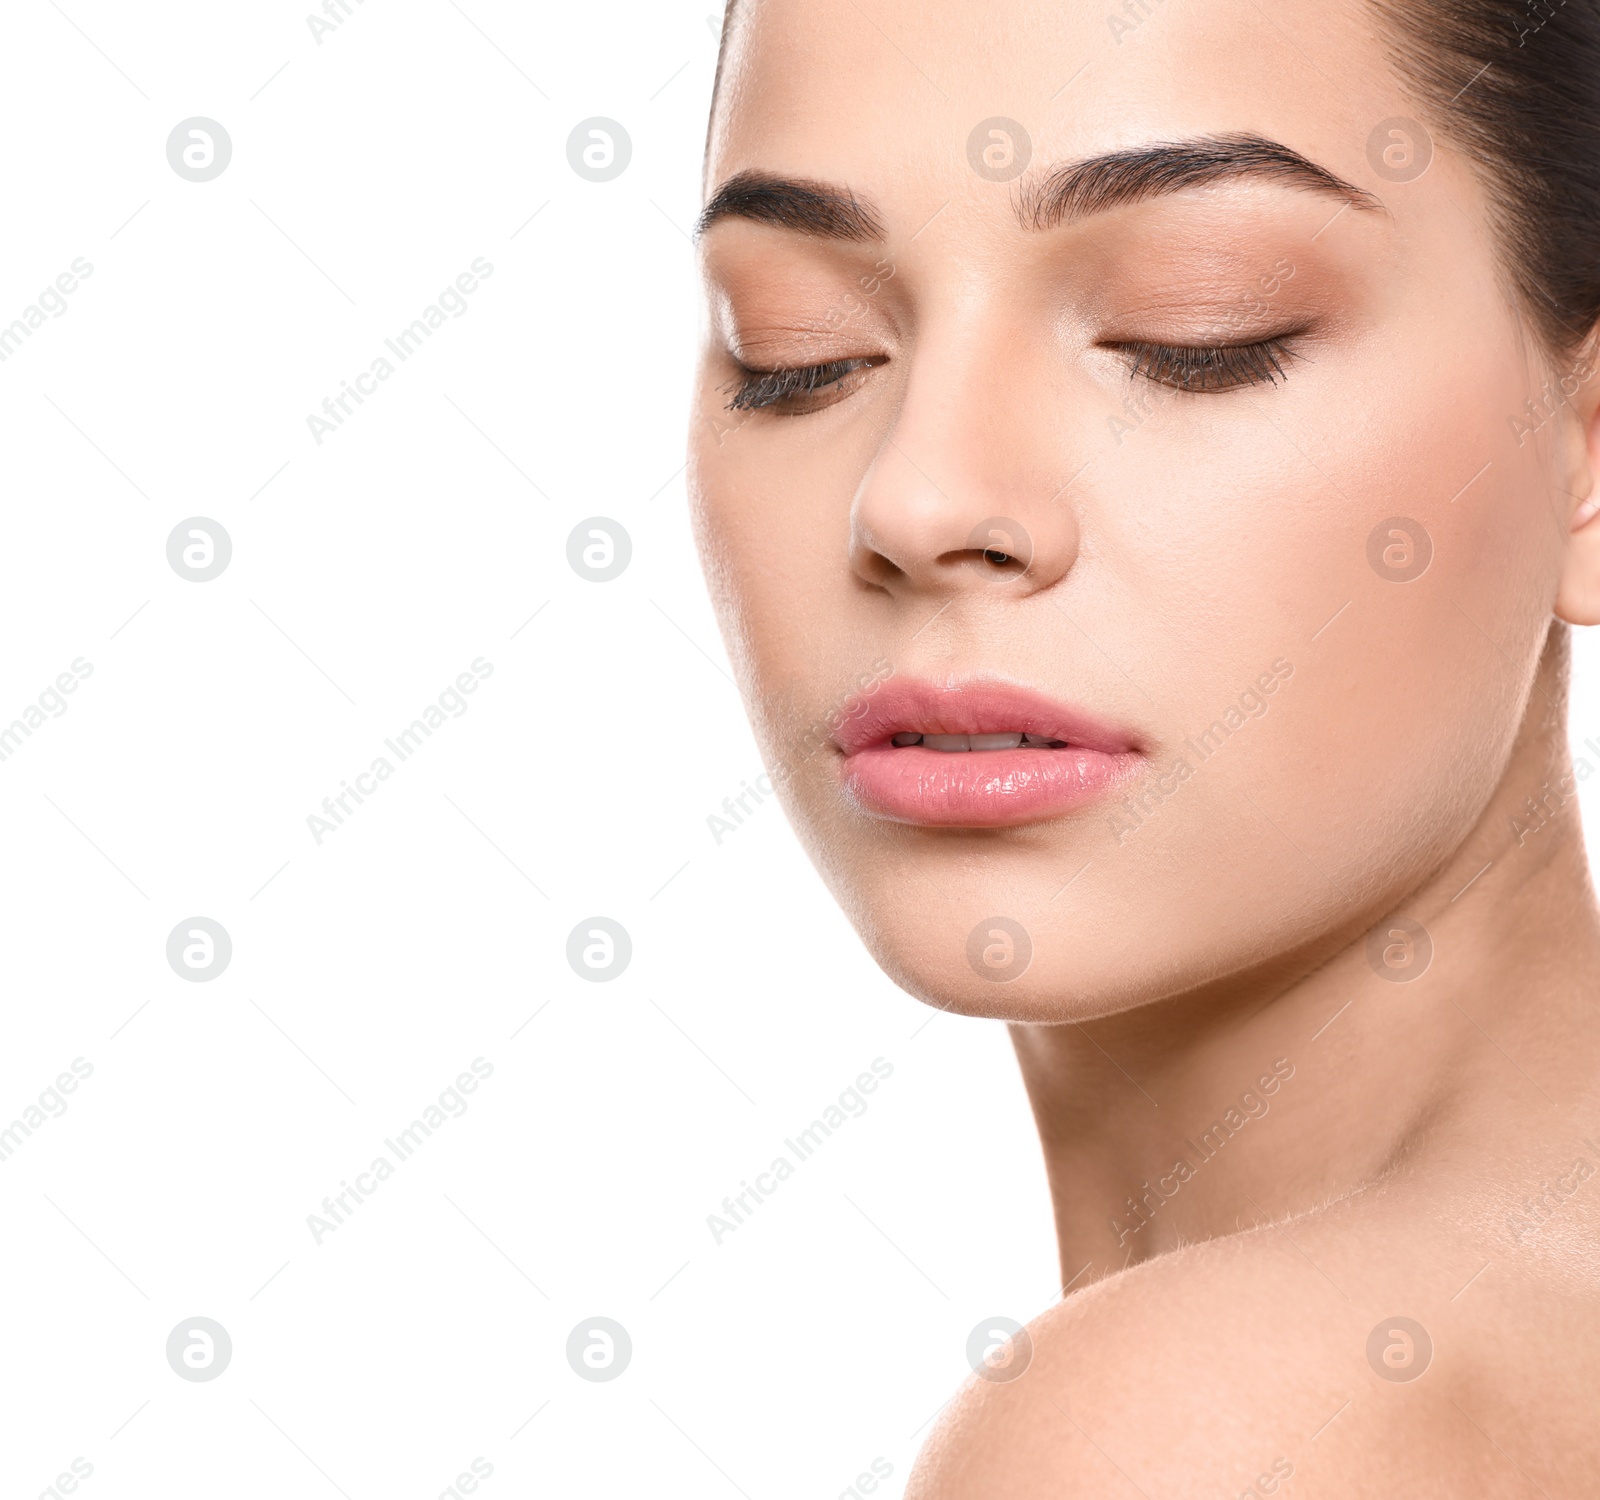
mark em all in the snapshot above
pixel 1515 85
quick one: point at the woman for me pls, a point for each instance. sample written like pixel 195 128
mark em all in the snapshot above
pixel 1159 447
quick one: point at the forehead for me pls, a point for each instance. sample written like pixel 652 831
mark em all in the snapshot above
pixel 901 99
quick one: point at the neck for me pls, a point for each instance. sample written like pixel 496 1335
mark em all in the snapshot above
pixel 1311 1078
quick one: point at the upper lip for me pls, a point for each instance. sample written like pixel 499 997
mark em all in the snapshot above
pixel 904 705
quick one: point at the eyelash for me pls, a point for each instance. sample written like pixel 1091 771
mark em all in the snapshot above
pixel 765 388
pixel 1184 367
pixel 1217 367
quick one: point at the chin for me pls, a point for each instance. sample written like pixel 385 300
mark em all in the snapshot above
pixel 950 943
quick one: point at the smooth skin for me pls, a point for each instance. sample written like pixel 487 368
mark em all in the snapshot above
pixel 1417 1154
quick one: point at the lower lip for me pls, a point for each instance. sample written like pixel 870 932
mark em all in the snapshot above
pixel 980 788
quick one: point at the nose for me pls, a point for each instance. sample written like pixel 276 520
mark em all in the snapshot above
pixel 969 488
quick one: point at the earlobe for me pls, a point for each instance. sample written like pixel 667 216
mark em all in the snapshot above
pixel 1578 593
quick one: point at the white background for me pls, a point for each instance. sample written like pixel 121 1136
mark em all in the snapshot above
pixel 368 571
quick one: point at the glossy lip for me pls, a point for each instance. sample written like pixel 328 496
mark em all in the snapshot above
pixel 980 788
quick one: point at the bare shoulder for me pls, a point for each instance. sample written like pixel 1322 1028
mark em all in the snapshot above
pixel 1360 1350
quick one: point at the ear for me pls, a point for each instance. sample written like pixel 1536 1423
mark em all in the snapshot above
pixel 1578 593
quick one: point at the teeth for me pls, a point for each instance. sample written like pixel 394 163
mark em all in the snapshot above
pixel 956 742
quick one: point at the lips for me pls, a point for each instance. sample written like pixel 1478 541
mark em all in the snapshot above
pixel 979 754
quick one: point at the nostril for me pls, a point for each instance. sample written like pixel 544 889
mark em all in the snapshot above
pixel 1002 543
pixel 873 568
pixel 998 560
pixel 988 560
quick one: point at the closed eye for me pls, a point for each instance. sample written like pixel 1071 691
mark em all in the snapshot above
pixel 1209 367
pixel 801 389
pixel 1205 368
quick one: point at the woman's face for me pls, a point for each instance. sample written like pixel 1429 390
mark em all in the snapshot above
pixel 1209 469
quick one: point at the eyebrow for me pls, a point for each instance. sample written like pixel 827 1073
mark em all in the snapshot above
pixel 1074 190
pixel 1078 189
pixel 798 203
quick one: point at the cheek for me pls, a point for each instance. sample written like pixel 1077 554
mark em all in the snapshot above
pixel 1400 555
pixel 1450 587
pixel 770 499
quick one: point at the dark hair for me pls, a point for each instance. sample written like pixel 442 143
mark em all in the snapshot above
pixel 1515 85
